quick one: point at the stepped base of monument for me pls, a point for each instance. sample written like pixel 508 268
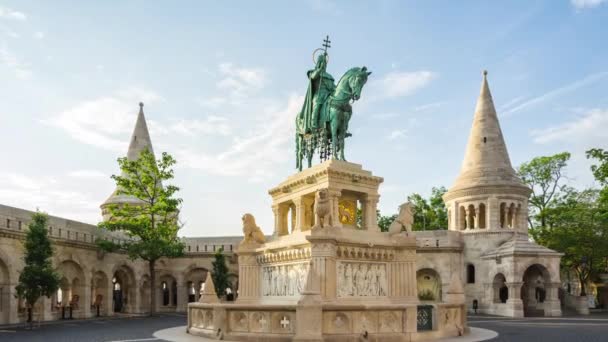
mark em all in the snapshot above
pixel 326 322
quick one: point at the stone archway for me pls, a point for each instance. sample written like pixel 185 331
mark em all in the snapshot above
pixel 71 291
pixel 100 291
pixel 536 284
pixel 123 290
pixel 167 291
pixel 500 291
pixel 5 302
pixel 429 285
pixel 194 280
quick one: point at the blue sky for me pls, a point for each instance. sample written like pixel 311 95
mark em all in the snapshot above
pixel 223 81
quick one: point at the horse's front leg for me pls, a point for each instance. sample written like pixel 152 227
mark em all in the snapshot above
pixel 335 124
pixel 298 152
pixel 343 136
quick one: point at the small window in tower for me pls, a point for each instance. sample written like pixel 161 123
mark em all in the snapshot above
pixel 470 274
pixel 484 140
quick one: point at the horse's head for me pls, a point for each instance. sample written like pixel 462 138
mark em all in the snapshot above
pixel 357 81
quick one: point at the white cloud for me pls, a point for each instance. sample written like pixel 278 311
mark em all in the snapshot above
pixel 20 69
pixel 397 134
pixel 212 102
pixel 397 84
pixel 77 199
pixel 427 106
pixel 239 80
pixel 39 35
pixel 211 125
pixel 103 122
pixel 590 79
pixel 254 152
pixel 8 13
pixel 588 129
pixel 87 174
pixel 584 4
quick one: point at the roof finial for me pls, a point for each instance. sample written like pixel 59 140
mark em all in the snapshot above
pixel 485 73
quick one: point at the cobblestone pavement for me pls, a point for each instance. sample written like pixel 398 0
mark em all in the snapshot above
pixel 122 329
pixel 538 329
pixel 135 329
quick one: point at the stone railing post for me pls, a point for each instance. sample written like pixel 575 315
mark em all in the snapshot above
pixel 250 270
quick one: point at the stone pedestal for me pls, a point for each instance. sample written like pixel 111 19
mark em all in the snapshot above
pixel 338 281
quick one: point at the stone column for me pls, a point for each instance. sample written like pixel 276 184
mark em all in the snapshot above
pixel 13 305
pixel 371 218
pixel 280 220
pixel 476 216
pixel 300 213
pixel 515 306
pixel 308 220
pixel 552 303
pixel 249 276
pixel 137 303
pixel 182 295
pixel 468 218
pixel 334 197
pixel 453 220
pixel 85 302
pixel 523 217
pixel 275 213
pixel 46 313
pixel 106 302
pixel 493 213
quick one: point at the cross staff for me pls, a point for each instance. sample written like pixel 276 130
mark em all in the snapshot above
pixel 326 43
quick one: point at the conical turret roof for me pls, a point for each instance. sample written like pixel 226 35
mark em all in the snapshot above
pixel 486 161
pixel 140 140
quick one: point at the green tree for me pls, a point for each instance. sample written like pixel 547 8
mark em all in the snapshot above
pixel 429 214
pixel 384 222
pixel 576 227
pixel 544 176
pixel 152 222
pixel 38 277
pixel 600 172
pixel 220 273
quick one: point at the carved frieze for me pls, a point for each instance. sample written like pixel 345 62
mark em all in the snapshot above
pixel 359 279
pixel 286 255
pixel 368 253
pixel 284 280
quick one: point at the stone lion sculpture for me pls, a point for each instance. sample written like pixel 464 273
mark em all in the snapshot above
pixel 404 220
pixel 322 209
pixel 252 232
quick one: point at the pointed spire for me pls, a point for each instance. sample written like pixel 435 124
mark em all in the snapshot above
pixel 140 139
pixel 208 295
pixel 486 160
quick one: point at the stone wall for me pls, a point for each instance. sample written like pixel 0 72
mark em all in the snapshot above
pixel 89 276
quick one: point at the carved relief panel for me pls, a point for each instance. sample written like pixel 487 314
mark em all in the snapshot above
pixel 361 279
pixel 284 280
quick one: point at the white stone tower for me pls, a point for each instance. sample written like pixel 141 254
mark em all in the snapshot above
pixel 488 194
pixel 140 140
